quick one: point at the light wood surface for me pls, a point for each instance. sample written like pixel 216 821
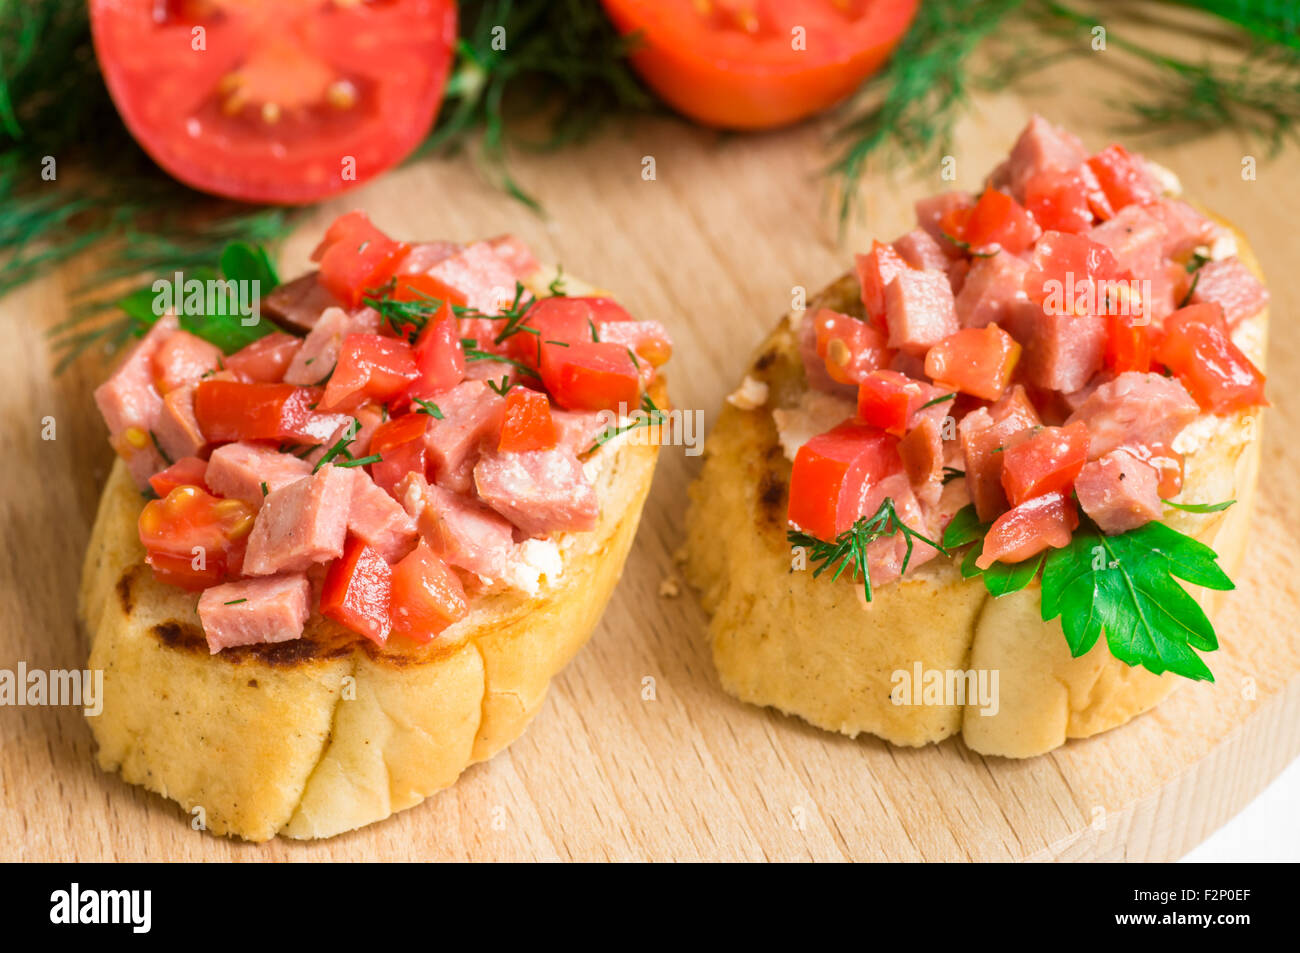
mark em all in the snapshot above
pixel 638 754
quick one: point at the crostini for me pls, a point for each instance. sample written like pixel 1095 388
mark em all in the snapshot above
pixel 338 563
pixel 959 489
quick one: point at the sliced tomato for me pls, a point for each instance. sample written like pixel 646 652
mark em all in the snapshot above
pixel 371 367
pixel 1046 461
pixel 275 102
pixel 889 400
pixel 1122 177
pixel 426 595
pixel 995 220
pixel 832 472
pixel 236 410
pixel 750 65
pixel 400 445
pixel 851 348
pixel 976 361
pixel 1128 343
pixel 193 539
pixel 1028 529
pixel 527 424
pixel 355 258
pixel 266 359
pixel 358 591
pixel 439 356
pixel 1198 348
pixel 590 375
pixel 474 277
pixel 1062 200
pixel 187 471
pixel 876 269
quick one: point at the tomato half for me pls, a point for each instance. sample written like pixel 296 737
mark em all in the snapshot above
pixel 193 539
pixel 745 64
pixel 275 102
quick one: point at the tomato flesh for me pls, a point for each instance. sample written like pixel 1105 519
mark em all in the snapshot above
pixel 876 270
pixel 193 539
pixel 1122 177
pixel 1128 344
pixel 235 410
pixel 426 595
pixel 1028 529
pixel 751 65
pixel 590 375
pixel 527 424
pixel 995 220
pixel 400 444
pixel 356 258
pixel 977 361
pixel 852 349
pixel 832 472
pixel 187 471
pixel 266 359
pixel 358 591
pixel 1197 347
pixel 371 367
pixel 889 400
pixel 439 356
pixel 275 102
pixel 1062 200
pixel 1046 462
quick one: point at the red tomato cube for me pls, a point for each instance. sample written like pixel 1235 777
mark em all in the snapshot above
pixel 399 443
pixel 852 349
pixel 356 258
pixel 358 591
pixel 426 595
pixel 527 424
pixel 1045 461
pixel 976 361
pixel 587 375
pixel 1197 347
pixel 371 367
pixel 831 474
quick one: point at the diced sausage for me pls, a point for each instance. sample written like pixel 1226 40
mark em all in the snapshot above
pixel 1061 351
pixel 471 416
pixel 514 253
pixel 462 531
pixel 930 212
pixel 319 353
pixel 238 470
pixel 1135 237
pixel 1040 146
pixel 255 611
pixel 1231 285
pixel 183 359
pixel 1119 492
pixel 992 287
pixel 299 304
pixel 984 435
pixel 177 429
pixel 920 250
pixel 302 523
pixel 539 491
pixel 919 310
pixel 1135 409
pixel 380 520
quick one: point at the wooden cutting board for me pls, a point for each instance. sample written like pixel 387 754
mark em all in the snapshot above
pixel 638 754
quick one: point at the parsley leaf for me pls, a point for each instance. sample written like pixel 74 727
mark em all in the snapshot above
pixel 1199 507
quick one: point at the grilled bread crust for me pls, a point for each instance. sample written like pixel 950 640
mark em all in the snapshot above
pixel 814 648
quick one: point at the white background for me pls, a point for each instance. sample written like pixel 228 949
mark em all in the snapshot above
pixel 1267 829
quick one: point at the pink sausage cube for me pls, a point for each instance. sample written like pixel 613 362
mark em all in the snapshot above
pixel 919 310
pixel 303 523
pixel 255 611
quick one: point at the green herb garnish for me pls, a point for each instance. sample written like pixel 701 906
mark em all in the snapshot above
pixel 235 602
pixel 1199 507
pixel 648 415
pixel 428 407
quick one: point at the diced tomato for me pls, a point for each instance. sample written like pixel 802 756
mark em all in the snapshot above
pixel 235 410
pixel 193 539
pixel 439 356
pixel 266 359
pixel 852 349
pixel 976 361
pixel 888 400
pixel 400 444
pixel 358 591
pixel 1197 347
pixel 371 367
pixel 356 258
pixel 587 375
pixel 1060 199
pixel 566 320
pixel 996 219
pixel 1122 177
pixel 183 358
pixel 1062 264
pixel 876 270
pixel 187 471
pixel 1026 530
pixel 426 595
pixel 527 424
pixel 1046 461
pixel 832 472
pixel 474 277
pixel 1128 343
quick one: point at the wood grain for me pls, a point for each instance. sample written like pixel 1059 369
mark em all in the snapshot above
pixel 713 247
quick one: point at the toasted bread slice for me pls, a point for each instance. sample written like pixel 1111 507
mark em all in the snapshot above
pixel 815 648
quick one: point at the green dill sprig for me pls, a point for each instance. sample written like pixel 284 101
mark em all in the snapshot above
pixel 648 415
pixel 849 549
pixel 340 447
pixel 428 407
pixel 475 353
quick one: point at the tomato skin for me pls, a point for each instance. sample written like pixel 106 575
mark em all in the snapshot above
pixel 832 472
pixel 527 424
pixel 1062 200
pixel 266 359
pixel 1047 462
pixel 400 442
pixel 358 591
pixel 235 410
pixel 371 367
pixel 1062 261
pixel 976 361
pixel 395 56
pixel 738 74
pixel 187 471
pixel 356 258
pixel 852 349
pixel 876 270
pixel 996 219
pixel 1122 177
pixel 1197 347
pixel 587 375
pixel 1026 530
pixel 188 517
pixel 888 400
pixel 439 356
pixel 426 595
pixel 1129 344
pixel 568 320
